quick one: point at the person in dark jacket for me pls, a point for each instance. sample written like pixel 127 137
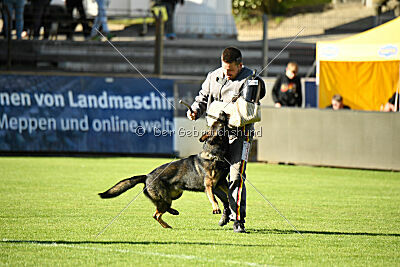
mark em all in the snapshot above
pixel 337 103
pixel 287 88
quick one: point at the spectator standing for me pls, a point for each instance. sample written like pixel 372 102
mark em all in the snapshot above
pixel 101 21
pixel 39 9
pixel 337 103
pixel 169 25
pixel 223 84
pixel 71 5
pixel 2 17
pixel 393 103
pixel 287 88
pixel 16 6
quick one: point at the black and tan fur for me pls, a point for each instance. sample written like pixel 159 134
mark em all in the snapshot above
pixel 205 171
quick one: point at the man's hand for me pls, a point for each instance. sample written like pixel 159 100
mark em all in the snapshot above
pixel 191 115
pixel 278 105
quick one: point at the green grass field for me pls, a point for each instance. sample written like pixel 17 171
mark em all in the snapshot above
pixel 50 214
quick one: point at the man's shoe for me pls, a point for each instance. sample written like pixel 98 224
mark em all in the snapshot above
pixel 95 38
pixel 109 36
pixel 171 36
pixel 238 227
pixel 225 217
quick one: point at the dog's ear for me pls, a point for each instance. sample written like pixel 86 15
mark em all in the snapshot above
pixel 205 136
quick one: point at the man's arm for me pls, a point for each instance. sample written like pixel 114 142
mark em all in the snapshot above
pixel 276 89
pixel 199 105
pixel 299 99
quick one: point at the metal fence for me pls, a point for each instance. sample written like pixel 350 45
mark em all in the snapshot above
pixel 335 21
pixel 286 27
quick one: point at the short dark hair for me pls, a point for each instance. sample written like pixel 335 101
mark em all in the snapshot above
pixel 337 98
pixel 232 55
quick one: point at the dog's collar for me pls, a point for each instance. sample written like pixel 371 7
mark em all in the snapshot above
pixel 209 156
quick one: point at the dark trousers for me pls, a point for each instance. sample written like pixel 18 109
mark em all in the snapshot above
pixel 39 9
pixel 170 6
pixel 71 4
pixel 239 150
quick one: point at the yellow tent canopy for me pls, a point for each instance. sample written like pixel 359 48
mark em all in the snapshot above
pixel 363 68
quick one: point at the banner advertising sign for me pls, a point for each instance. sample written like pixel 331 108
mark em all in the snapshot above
pixel 86 114
pixel 310 93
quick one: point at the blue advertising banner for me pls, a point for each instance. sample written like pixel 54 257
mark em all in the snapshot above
pixel 311 93
pixel 86 114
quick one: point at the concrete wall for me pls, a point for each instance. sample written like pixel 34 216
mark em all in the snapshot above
pixel 355 139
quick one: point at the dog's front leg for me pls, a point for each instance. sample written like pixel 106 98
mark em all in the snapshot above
pixel 209 185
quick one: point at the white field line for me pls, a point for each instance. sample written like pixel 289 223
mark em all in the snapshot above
pixel 143 253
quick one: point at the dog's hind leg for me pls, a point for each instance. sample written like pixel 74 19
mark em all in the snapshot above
pixel 158 193
pixel 157 216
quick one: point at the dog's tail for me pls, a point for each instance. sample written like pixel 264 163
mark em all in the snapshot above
pixel 123 186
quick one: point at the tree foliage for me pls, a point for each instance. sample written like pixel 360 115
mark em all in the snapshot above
pixel 246 9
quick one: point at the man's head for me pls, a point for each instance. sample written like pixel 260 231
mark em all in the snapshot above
pixel 231 62
pixel 337 102
pixel 291 70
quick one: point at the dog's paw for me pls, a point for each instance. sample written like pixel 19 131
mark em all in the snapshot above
pixel 173 211
pixel 104 195
pixel 217 211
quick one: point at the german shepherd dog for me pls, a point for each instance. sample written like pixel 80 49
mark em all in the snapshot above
pixel 205 171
